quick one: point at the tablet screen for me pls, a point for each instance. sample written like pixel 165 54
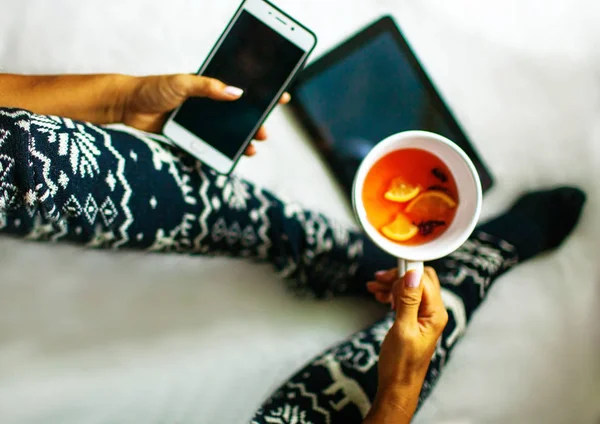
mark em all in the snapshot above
pixel 371 93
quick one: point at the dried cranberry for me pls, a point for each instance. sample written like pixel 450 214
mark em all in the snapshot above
pixel 427 227
pixel 439 174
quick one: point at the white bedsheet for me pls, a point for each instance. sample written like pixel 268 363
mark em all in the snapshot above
pixel 97 337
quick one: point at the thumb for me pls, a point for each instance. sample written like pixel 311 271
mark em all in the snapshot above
pixel 211 88
pixel 408 293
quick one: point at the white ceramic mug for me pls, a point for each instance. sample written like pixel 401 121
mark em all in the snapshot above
pixel 469 196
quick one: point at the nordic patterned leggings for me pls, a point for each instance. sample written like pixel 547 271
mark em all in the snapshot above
pixel 63 180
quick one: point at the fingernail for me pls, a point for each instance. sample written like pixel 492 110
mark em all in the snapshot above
pixel 412 279
pixel 379 274
pixel 233 91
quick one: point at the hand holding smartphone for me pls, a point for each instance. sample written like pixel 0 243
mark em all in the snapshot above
pixel 260 52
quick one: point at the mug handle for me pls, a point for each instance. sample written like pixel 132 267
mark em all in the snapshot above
pixel 404 266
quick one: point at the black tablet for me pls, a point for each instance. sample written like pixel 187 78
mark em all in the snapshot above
pixel 367 89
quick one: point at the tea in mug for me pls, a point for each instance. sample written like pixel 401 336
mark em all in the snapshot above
pixel 410 196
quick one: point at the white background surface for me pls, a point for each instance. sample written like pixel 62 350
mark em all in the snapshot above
pixel 96 337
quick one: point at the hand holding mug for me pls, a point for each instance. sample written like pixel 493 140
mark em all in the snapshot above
pixel 409 345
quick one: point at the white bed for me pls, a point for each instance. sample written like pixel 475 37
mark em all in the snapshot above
pixel 98 337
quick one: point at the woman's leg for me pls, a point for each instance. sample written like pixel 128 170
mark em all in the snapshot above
pixel 339 385
pixel 63 180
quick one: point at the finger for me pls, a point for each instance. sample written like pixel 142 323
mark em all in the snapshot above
pixel 261 134
pixel 250 150
pixel 387 277
pixel 430 272
pixel 285 99
pixel 211 88
pixel 383 298
pixel 407 295
pixel 375 287
pixel 432 305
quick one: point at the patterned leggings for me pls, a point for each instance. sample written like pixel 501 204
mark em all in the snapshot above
pixel 63 180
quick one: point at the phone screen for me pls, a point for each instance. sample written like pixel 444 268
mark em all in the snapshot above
pixel 254 58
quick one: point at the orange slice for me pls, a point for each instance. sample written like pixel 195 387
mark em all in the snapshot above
pixel 431 204
pixel 400 229
pixel 401 192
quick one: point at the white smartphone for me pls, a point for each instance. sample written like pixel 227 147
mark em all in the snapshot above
pixel 260 51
